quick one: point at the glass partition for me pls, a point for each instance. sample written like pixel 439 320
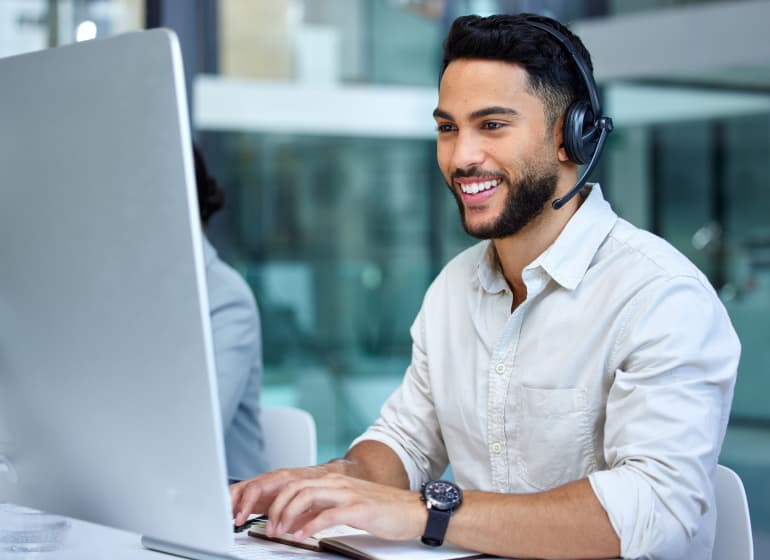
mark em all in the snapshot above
pixel 339 238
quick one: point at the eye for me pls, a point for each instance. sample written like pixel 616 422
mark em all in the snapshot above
pixel 445 128
pixel 492 125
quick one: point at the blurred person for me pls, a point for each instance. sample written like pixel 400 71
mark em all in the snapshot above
pixel 575 371
pixel 236 335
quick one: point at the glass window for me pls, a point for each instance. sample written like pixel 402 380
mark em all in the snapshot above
pixel 337 238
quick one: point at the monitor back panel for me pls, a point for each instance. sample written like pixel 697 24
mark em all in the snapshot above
pixel 108 408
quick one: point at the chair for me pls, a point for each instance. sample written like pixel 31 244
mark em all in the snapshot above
pixel 733 539
pixel 289 437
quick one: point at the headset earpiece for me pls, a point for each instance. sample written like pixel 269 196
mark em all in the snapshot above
pixel 580 133
pixel 585 129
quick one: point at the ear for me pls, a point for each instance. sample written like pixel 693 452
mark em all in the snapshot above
pixel 558 140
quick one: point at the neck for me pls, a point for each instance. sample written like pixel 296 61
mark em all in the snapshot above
pixel 518 250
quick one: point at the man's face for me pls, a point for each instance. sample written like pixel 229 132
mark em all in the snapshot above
pixel 494 149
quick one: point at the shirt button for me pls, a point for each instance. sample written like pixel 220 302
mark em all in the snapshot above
pixel 500 368
pixel 497 447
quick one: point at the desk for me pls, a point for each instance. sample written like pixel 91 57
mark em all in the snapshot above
pixel 88 541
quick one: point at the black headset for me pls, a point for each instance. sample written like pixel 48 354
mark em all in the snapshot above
pixel 585 129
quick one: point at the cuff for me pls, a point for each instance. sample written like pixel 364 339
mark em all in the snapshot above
pixel 415 474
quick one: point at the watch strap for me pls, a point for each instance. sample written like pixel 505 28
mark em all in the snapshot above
pixel 435 528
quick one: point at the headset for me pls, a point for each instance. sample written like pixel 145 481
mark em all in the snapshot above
pixel 585 128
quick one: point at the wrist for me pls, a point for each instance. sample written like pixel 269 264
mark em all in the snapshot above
pixel 441 499
pixel 420 516
pixel 335 466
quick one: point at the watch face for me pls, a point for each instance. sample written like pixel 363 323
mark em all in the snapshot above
pixel 442 495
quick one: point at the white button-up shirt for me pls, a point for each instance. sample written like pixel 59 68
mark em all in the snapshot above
pixel 619 366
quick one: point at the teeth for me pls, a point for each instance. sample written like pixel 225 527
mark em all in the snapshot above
pixel 474 188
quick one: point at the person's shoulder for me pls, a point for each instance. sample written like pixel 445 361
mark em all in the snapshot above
pixel 461 271
pixel 227 286
pixel 648 255
pixel 468 259
pixel 657 280
pixel 463 266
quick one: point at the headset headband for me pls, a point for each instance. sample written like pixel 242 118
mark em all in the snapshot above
pixel 593 94
pixel 584 138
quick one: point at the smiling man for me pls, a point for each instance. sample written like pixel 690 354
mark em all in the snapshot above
pixel 575 371
pixel 494 136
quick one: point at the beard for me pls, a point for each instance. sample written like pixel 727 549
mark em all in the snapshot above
pixel 526 199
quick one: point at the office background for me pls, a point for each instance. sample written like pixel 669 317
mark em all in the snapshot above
pixel 316 117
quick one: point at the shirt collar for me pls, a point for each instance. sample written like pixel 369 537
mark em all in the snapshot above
pixel 490 274
pixel 568 258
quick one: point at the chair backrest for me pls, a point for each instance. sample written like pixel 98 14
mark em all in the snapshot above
pixel 290 437
pixel 733 539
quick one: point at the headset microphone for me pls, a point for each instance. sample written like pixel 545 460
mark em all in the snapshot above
pixel 605 126
pixel 585 129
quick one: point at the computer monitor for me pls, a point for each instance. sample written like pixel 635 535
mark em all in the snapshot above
pixel 108 408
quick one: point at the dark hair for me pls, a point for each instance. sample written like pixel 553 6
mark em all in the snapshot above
pixel 552 73
pixel 211 197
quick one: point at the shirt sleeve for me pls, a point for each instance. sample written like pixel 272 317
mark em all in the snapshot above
pixel 666 414
pixel 236 336
pixel 408 423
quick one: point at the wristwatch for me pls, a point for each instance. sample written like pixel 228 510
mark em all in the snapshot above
pixel 442 498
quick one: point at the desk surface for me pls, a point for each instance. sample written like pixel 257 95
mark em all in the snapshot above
pixel 88 541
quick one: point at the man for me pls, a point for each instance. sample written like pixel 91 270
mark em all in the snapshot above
pixel 236 335
pixel 575 371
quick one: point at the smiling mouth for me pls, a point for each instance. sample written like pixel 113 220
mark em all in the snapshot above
pixel 478 186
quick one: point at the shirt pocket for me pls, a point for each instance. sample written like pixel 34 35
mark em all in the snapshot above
pixel 554 436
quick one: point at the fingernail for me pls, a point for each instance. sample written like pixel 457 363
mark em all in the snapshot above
pixel 279 529
pixel 299 535
pixel 269 528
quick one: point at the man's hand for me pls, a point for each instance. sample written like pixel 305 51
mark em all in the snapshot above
pixel 368 460
pixel 306 506
pixel 257 494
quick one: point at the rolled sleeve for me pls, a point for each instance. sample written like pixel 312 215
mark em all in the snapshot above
pixel 408 423
pixel 667 411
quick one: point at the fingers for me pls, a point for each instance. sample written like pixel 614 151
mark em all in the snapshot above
pixel 236 490
pixel 328 518
pixel 304 500
pixel 305 507
pixel 297 505
pixel 247 499
pixel 255 495
pixel 291 489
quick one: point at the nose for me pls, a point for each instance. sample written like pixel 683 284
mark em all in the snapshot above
pixel 468 150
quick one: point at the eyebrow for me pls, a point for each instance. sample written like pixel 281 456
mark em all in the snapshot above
pixel 441 114
pixel 485 112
